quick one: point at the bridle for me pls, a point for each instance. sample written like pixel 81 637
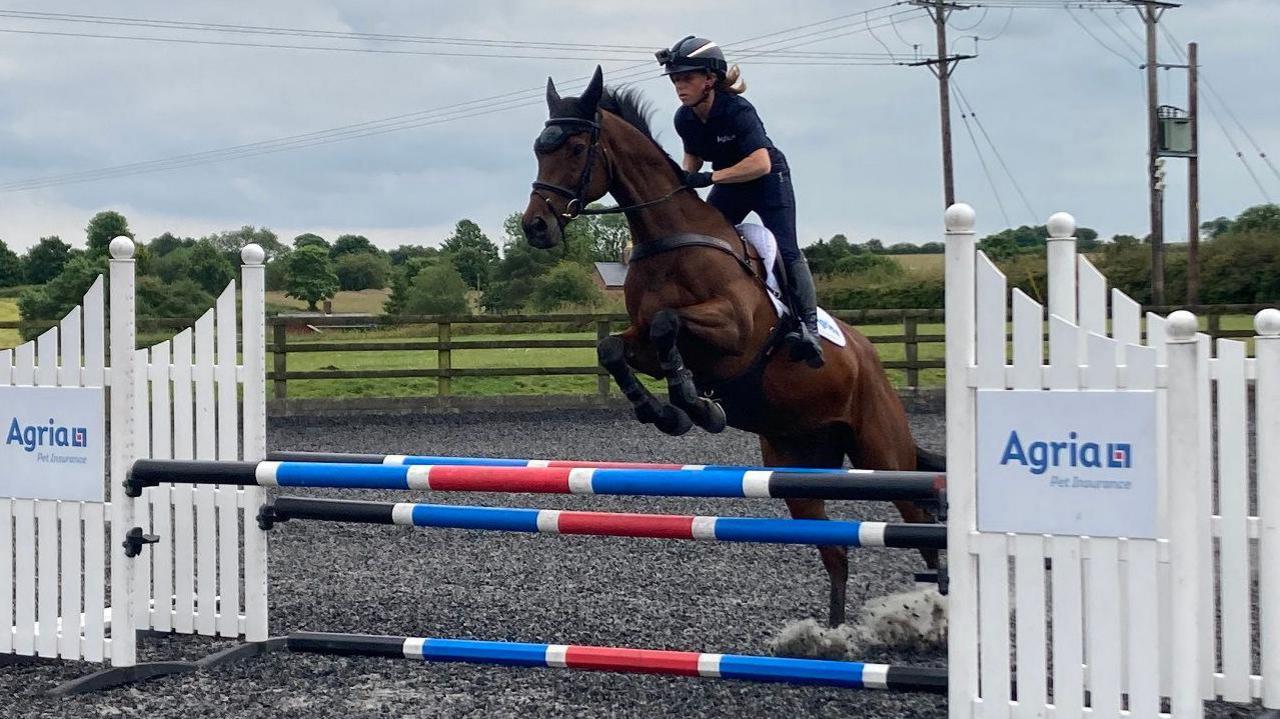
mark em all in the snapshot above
pixel 576 196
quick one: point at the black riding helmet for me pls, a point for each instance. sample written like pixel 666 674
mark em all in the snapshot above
pixel 692 53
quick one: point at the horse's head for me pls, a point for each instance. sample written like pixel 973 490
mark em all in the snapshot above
pixel 571 169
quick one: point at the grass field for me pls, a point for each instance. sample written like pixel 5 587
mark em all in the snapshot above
pixel 925 264
pixel 8 312
pixel 364 301
pixel 536 385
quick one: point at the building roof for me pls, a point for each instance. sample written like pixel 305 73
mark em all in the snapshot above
pixel 614 274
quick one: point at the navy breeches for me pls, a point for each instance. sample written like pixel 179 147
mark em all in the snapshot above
pixel 772 198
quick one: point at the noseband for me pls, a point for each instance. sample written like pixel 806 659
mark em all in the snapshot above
pixel 549 140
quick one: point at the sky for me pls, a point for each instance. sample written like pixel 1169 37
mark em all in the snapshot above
pixel 1062 104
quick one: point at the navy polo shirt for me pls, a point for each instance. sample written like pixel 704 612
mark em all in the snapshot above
pixel 732 131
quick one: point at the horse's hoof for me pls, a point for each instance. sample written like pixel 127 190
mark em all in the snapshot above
pixel 674 421
pixel 713 417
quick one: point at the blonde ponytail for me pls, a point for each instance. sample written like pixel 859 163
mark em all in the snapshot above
pixel 732 82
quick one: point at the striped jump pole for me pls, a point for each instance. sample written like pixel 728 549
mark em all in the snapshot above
pixel 610 524
pixel 822 672
pixel 426 459
pixel 924 487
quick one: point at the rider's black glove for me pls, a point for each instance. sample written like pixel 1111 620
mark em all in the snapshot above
pixel 697 179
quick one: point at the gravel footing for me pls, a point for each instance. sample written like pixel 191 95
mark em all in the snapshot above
pixel 488 585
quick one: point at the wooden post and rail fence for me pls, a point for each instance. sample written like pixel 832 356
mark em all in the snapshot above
pixel 444 335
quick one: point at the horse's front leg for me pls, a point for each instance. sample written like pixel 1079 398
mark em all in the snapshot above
pixel 612 353
pixel 664 331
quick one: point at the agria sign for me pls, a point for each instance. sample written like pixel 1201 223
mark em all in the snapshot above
pixel 1042 455
pixel 1060 462
pixel 51 435
pixel 52 443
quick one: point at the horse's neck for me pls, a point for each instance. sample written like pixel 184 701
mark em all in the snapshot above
pixel 641 173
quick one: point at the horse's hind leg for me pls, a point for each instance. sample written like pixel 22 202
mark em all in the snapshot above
pixel 835 559
pixel 664 330
pixel 612 353
pixel 883 441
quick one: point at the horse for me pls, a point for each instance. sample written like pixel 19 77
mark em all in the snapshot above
pixel 701 317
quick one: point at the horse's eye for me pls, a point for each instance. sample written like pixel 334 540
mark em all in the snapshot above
pixel 577 150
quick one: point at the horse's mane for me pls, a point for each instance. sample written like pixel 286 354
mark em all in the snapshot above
pixel 628 104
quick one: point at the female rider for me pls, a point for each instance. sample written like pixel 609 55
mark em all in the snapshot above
pixel 748 173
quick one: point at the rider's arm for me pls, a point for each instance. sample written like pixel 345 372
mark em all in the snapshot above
pixel 692 163
pixel 755 165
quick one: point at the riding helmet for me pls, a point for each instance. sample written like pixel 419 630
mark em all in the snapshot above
pixel 692 53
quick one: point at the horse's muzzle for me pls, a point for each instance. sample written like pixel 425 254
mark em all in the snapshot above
pixel 538 232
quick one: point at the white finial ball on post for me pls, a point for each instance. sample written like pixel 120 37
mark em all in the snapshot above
pixel 1062 226
pixel 1182 326
pixel 122 248
pixel 252 254
pixel 1267 322
pixel 960 217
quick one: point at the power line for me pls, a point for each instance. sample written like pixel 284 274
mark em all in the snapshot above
pixel 833 60
pixel 981 20
pixel 349 35
pixel 964 118
pixel 1108 48
pixel 1123 41
pixel 457 111
pixel 1177 48
pixel 965 103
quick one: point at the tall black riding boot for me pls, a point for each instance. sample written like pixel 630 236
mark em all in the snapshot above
pixel 805 342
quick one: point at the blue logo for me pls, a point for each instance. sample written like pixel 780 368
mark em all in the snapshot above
pixel 1042 456
pixel 30 437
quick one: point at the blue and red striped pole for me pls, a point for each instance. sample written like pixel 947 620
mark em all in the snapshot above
pixel 850 675
pixel 612 524
pixel 427 459
pixel 708 482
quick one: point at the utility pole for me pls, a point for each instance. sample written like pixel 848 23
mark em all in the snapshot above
pixel 1193 181
pixel 1151 11
pixel 1150 16
pixel 942 67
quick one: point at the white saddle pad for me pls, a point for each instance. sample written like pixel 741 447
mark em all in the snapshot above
pixel 767 246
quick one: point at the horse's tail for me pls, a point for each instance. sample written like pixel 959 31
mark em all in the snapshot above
pixel 927 461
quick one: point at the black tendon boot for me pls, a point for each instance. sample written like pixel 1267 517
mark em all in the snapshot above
pixel 805 343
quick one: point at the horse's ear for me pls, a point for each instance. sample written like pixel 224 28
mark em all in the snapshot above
pixel 553 97
pixel 591 96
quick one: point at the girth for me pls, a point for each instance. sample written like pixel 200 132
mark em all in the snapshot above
pixel 689 239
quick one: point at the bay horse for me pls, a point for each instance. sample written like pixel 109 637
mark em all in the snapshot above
pixel 701 318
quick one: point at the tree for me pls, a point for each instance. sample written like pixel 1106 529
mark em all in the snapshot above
pixel 59 295
pixel 1241 266
pixel 402 283
pixel 472 253
pixel 168 242
pixel 516 274
pixel 1259 218
pixel 308 239
pixel 607 235
pixel 1213 228
pixel 566 283
pixel 311 276
pixel 362 271
pixel 209 267
pixel 181 298
pixel 11 268
pixel 229 242
pixel 103 228
pixel 437 290
pixel 404 253
pixel 349 244
pixel 44 261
